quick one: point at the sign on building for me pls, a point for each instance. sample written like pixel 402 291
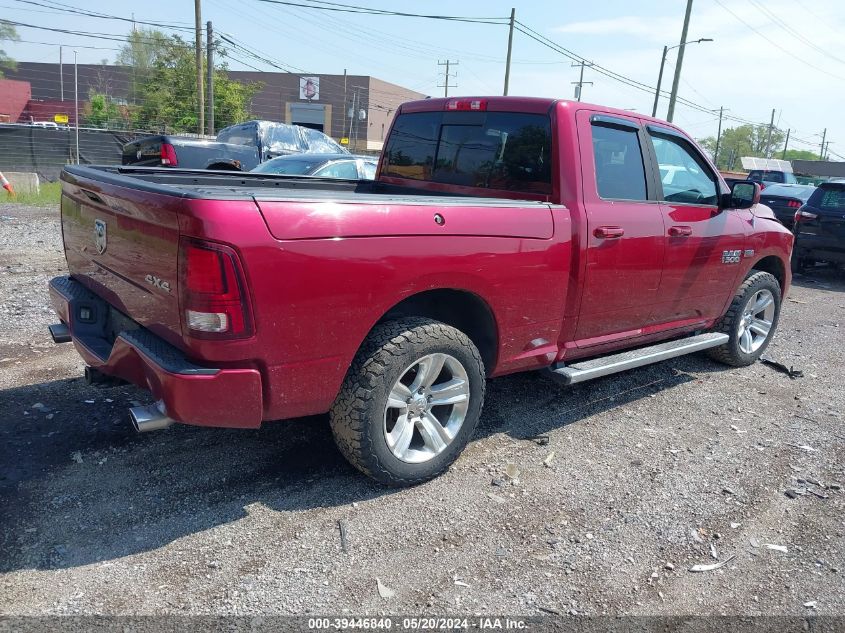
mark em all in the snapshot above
pixel 309 88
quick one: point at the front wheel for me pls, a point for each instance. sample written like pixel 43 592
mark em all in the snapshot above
pixel 410 401
pixel 750 321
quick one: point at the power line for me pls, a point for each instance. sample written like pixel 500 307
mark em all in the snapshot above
pixel 633 83
pixel 103 48
pixel 350 8
pixel 776 45
pixel 786 27
pixel 96 14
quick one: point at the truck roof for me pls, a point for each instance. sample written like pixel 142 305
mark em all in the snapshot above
pixel 520 104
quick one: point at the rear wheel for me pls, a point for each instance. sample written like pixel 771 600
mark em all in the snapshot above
pixel 750 321
pixel 410 401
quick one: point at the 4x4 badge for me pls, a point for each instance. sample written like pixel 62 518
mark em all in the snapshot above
pixel 100 237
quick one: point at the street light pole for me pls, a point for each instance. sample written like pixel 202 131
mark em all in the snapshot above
pixel 666 49
pixel 718 138
pixel 510 50
pixel 677 78
pixel 659 81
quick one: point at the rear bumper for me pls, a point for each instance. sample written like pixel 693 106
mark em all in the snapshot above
pixel 820 247
pixel 193 394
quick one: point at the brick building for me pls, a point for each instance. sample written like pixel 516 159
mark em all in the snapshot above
pixel 358 107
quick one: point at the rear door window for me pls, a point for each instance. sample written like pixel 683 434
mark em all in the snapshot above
pixel 493 150
pixel 620 174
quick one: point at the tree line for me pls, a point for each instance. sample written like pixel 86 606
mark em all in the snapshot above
pixel 162 93
pixel 751 140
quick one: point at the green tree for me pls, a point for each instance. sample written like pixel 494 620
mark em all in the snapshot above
pixel 102 112
pixel 745 140
pixel 168 97
pixel 141 51
pixel 800 154
pixel 7 33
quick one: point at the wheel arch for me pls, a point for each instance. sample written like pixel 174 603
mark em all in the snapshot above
pixel 773 265
pixel 461 309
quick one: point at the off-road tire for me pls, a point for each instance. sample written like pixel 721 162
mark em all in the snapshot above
pixel 357 417
pixel 730 353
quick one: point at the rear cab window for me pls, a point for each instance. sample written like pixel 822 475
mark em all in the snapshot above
pixel 507 151
pixel 238 135
pixel 783 177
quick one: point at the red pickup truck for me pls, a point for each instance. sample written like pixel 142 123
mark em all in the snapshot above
pixel 500 235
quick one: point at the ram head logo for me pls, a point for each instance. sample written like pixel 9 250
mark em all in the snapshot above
pixel 100 237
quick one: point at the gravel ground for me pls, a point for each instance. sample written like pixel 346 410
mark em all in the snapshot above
pixel 654 471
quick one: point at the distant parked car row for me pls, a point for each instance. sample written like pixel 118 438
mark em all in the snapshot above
pixel 322 165
pixel 240 147
pixel 816 214
pixel 261 147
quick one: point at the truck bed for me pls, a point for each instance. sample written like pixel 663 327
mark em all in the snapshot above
pixel 201 184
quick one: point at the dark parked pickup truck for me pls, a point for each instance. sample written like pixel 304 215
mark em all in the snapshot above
pixel 501 235
pixel 237 148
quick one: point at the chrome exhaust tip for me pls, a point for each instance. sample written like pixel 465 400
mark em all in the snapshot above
pixel 150 418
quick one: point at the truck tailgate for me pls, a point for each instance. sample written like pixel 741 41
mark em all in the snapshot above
pixel 123 245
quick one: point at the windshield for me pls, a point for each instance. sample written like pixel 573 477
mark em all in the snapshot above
pixel 299 166
pixel 319 142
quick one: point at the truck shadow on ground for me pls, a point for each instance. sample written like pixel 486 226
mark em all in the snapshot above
pixel 821 277
pixel 82 487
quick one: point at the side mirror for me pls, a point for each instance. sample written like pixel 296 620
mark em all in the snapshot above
pixel 744 195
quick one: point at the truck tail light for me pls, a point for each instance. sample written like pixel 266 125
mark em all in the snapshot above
pixel 214 299
pixel 479 105
pixel 793 204
pixel 168 155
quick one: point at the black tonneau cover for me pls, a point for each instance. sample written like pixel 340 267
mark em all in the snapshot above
pixel 236 185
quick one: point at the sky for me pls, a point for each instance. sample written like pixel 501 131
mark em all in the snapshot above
pixel 784 55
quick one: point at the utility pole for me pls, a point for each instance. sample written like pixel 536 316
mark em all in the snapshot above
pixel 785 144
pixel 61 76
pixel 718 138
pixel 510 50
pixel 659 81
pixel 76 104
pixel 446 84
pixel 209 52
pixel 353 120
pixel 198 45
pixel 769 135
pixel 580 83
pixel 673 97
pixel 824 134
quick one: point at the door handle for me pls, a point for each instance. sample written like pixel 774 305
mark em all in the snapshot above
pixel 609 232
pixel 680 231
